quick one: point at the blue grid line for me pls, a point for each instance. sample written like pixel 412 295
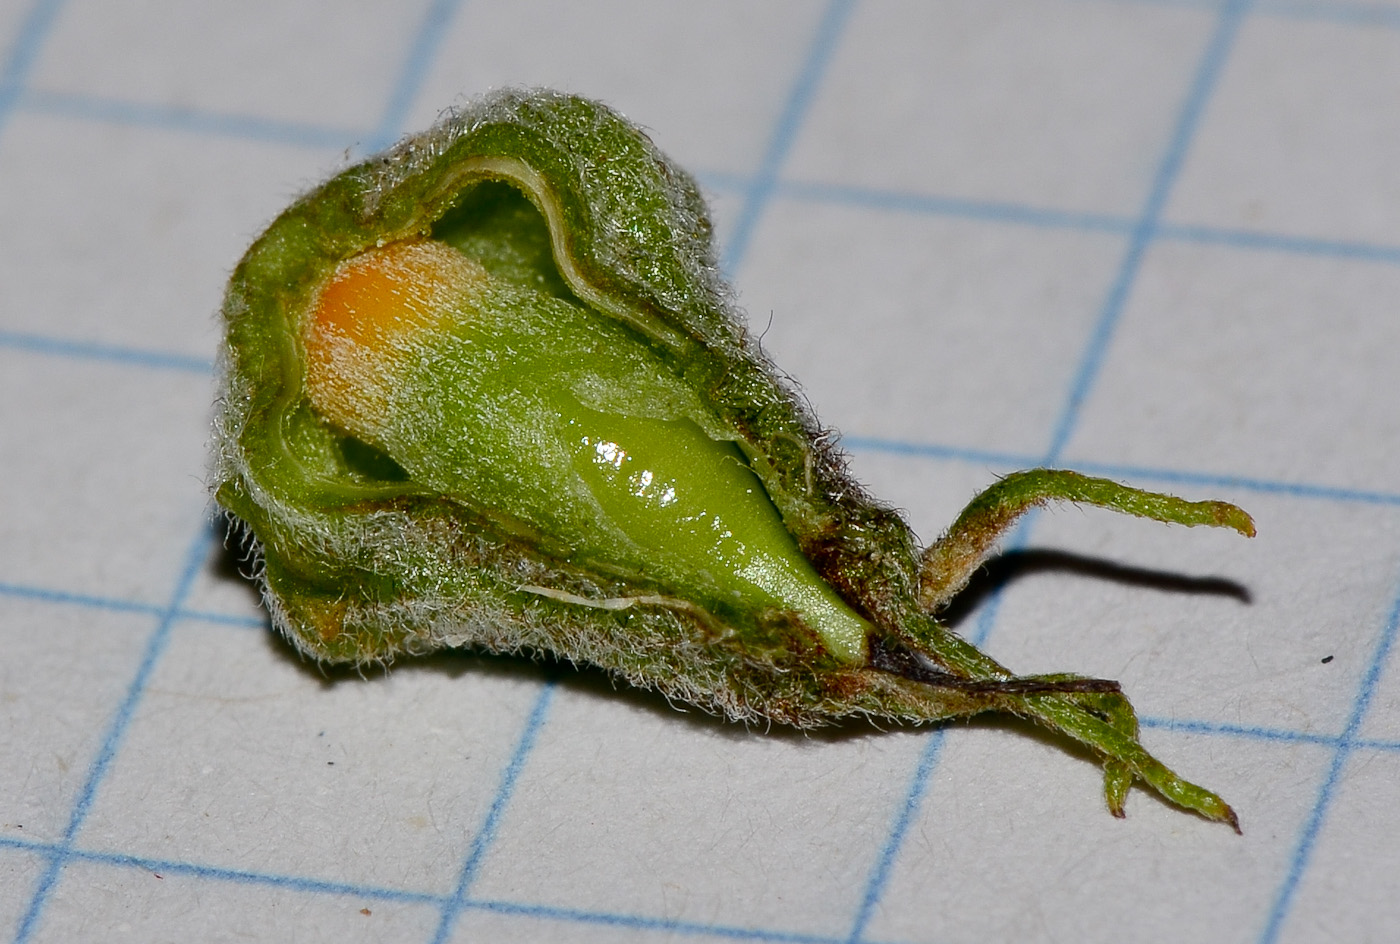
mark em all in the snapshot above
pixel 1252 732
pixel 97 351
pixel 116 731
pixel 179 118
pixel 567 914
pixel 1346 746
pixel 946 453
pixel 118 605
pixel 1202 84
pixel 1259 733
pixel 485 836
pixel 321 886
pixel 1022 214
pixel 799 102
pixel 218 873
pixel 246 127
pixel 1247 483
pixel 1349 14
pixel 421 54
pixel 819 53
pixel 381 893
pixel 309 885
pixel 1379 745
pixel 992 211
pixel 222 619
pixel 46 595
pixel 1280 242
pixel 20 58
pixel 1337 11
pixel 884 862
pixel 641 922
pixel 1334 493
pixel 1212 6
pixel 302 134
pixel 1195 726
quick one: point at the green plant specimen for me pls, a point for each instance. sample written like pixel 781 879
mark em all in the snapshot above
pixel 487 389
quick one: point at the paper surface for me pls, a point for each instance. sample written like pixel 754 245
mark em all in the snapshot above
pixel 1158 241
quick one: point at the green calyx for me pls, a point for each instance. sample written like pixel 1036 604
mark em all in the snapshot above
pixel 572 446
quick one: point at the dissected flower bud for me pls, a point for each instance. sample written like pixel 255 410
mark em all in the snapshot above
pixel 487 389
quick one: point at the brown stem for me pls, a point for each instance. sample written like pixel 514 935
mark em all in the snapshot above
pixel 890 655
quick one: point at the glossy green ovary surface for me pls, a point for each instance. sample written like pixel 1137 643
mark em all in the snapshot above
pixel 558 417
pixel 695 504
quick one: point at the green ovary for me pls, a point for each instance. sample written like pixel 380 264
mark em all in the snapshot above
pixel 702 515
pixel 562 420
